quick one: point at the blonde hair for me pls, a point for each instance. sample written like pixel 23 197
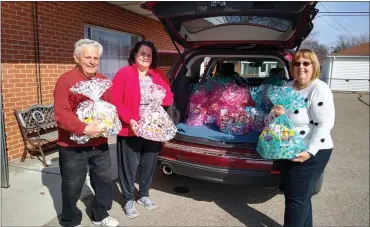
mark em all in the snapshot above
pixel 309 55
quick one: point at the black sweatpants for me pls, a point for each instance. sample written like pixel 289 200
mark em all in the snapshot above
pixel 299 184
pixel 133 153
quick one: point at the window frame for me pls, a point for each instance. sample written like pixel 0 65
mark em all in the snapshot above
pixel 88 34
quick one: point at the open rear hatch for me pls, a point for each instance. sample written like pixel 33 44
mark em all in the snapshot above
pixel 282 25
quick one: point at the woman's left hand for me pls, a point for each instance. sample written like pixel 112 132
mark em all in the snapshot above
pixel 301 157
pixel 279 110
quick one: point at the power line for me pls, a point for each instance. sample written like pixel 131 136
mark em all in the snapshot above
pixel 344 12
pixel 332 26
pixel 336 19
pixel 343 15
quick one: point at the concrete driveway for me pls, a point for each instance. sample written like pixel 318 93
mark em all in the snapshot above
pixel 343 201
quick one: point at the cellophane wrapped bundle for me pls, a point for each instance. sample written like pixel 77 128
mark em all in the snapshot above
pixel 257 118
pixel 233 120
pixel 196 114
pixel 155 124
pixel 236 95
pixel 279 140
pixel 196 108
pixel 213 104
pixel 226 94
pixel 231 93
pixel 260 96
pixel 287 97
pixel 219 81
pixel 96 109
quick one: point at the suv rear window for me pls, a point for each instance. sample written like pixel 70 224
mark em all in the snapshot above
pixel 252 68
pixel 198 25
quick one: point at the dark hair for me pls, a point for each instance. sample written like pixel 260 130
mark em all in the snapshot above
pixel 131 59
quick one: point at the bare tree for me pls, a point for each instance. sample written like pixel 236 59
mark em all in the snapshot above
pixel 312 36
pixel 345 42
pixel 321 50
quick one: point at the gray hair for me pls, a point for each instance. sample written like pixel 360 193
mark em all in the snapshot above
pixel 87 42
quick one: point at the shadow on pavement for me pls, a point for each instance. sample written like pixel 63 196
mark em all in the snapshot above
pixel 235 200
pixel 54 187
pixel 232 198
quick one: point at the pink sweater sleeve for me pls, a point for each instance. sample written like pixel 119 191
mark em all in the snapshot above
pixel 168 99
pixel 118 89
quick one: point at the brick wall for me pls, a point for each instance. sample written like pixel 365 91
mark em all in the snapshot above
pixel 60 25
pixel 167 60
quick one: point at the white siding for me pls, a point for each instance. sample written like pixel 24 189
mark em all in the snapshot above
pixel 348 74
pixel 351 85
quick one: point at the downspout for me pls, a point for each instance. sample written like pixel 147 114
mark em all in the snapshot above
pixel 331 70
pixel 35 21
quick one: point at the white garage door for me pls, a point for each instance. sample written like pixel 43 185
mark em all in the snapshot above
pixel 350 74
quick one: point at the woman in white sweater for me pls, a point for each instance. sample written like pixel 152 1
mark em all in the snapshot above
pixel 313 123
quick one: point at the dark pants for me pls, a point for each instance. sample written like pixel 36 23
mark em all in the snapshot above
pixel 134 152
pixel 299 184
pixel 73 164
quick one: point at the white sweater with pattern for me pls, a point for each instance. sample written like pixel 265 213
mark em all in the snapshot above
pixel 315 122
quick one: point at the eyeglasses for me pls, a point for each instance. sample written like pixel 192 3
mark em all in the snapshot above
pixel 305 63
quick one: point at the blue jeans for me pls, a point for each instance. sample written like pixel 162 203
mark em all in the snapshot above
pixel 73 162
pixel 299 184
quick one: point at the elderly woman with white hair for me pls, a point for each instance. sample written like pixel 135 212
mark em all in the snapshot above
pixel 74 158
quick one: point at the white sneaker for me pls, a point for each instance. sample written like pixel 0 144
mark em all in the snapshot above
pixel 107 222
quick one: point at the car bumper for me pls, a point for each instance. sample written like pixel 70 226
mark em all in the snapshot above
pixel 220 175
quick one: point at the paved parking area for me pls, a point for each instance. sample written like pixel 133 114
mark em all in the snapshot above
pixel 343 201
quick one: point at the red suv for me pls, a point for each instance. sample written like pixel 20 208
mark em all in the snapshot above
pixel 254 36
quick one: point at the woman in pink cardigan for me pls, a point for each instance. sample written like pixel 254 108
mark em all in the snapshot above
pixel 129 93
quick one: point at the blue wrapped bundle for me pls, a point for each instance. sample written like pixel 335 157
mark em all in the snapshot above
pixel 260 96
pixel 287 97
pixel 219 80
pixel 279 140
pixel 257 116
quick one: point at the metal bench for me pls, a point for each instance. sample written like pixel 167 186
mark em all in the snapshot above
pixel 38 128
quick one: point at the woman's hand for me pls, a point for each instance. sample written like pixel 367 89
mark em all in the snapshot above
pixel 302 157
pixel 278 110
pixel 133 125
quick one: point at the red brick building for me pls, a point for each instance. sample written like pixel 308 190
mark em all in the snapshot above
pixel 37 43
